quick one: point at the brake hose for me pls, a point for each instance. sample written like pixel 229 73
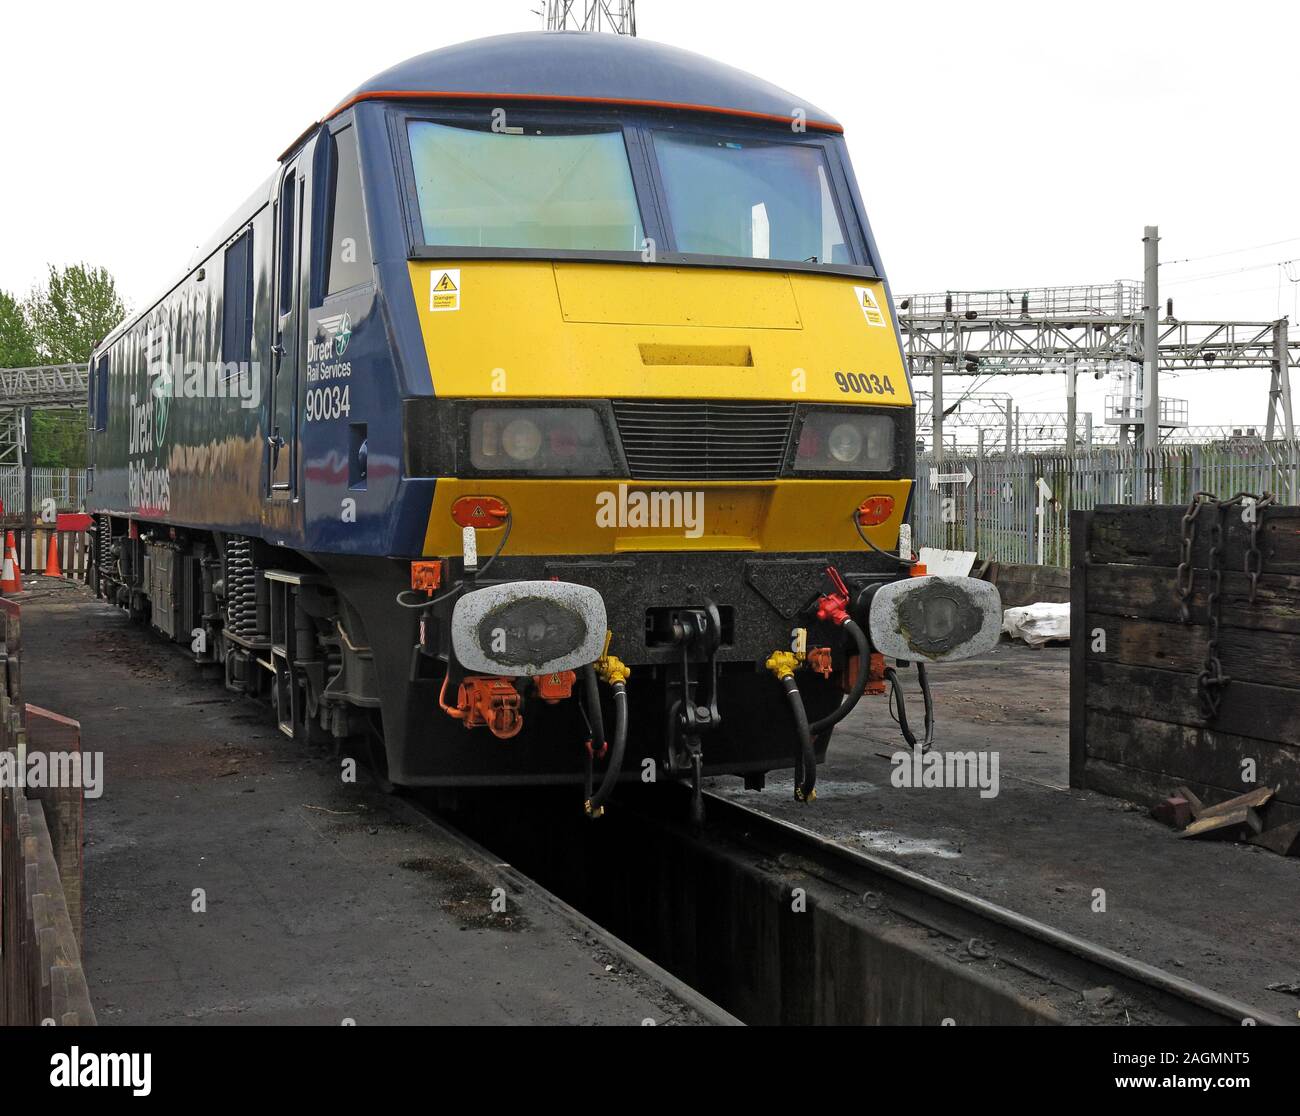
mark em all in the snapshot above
pixel 805 762
pixel 896 689
pixel 783 665
pixel 595 802
pixel 859 683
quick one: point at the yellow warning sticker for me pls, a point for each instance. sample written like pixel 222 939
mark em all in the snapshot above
pixel 444 291
pixel 870 307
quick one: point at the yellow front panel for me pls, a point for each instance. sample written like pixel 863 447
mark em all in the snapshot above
pixel 537 329
pixel 532 329
pixel 572 516
pixel 675 296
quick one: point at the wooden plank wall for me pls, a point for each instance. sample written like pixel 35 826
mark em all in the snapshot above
pixel 1136 726
pixel 41 976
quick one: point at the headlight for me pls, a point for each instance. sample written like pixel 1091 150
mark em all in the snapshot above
pixel 846 443
pixel 521 439
pixel 539 441
pixel 842 442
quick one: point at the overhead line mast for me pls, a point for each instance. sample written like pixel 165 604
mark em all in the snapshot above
pixel 1097 328
pixel 618 16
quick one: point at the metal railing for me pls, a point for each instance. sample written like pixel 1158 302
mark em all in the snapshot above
pixel 1123 298
pixel 67 487
pixel 997 514
pixel 1122 410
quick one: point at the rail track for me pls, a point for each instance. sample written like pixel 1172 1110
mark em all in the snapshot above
pixel 779 925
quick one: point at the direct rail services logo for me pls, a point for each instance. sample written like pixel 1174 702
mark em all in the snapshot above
pixel 337 329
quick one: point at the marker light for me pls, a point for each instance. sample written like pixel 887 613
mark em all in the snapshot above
pixel 482 512
pixel 874 510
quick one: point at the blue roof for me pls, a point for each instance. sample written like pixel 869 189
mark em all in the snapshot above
pixel 586 66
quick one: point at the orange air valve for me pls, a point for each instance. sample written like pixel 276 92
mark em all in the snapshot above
pixel 819 659
pixel 426 576
pixel 875 674
pixel 555 687
pixel 483 700
pixel 834 606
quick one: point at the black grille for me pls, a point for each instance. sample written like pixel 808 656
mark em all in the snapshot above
pixel 703 440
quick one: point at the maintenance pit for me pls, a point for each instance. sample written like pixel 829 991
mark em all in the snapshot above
pixel 325 901
pixel 717 910
pixel 329 901
pixel 1223 914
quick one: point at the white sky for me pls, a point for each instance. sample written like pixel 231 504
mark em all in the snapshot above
pixel 1016 144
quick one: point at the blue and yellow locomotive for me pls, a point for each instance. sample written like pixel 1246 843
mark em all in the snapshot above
pixel 542 419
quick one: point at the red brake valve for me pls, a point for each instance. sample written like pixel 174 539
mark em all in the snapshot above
pixel 834 606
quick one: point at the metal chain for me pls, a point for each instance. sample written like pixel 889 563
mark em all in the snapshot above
pixel 1211 681
pixel 1254 560
pixel 1186 574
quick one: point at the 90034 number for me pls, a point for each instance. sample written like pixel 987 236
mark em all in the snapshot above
pixel 864 383
pixel 328 403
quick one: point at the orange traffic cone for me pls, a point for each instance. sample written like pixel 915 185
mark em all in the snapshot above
pixel 11 580
pixel 52 557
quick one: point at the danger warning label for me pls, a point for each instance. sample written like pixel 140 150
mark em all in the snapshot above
pixel 444 291
pixel 870 307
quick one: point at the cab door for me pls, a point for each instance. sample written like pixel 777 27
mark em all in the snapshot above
pixel 286 358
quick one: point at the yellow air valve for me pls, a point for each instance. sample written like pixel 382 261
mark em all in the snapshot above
pixel 611 668
pixel 783 663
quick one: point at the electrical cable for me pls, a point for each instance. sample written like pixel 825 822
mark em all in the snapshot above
pixel 460 585
pixel 887 554
pixel 1230 252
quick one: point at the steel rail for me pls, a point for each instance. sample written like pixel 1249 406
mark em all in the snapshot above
pixel 1184 1000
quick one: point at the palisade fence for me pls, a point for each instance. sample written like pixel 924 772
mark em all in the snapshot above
pixel 996 514
pixel 67 487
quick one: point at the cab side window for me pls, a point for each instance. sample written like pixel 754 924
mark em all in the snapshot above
pixel 349 261
pixel 99 388
pixel 237 302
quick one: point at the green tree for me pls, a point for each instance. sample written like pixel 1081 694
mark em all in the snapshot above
pixel 72 313
pixel 59 439
pixel 17 345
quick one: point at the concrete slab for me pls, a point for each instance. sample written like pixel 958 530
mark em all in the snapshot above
pixel 1224 915
pixel 325 900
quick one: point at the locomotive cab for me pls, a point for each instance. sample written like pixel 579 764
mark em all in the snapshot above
pixel 586 443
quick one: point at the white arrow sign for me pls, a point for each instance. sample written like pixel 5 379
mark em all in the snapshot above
pixel 963 478
pixel 1044 494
